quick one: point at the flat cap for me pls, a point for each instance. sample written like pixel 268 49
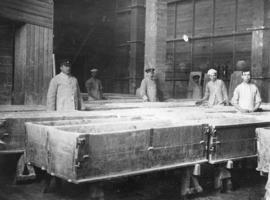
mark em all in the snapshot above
pixel 149 69
pixel 65 62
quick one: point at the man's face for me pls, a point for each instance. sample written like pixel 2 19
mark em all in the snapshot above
pixel 246 77
pixel 213 77
pixel 196 79
pixel 65 69
pixel 94 74
pixel 151 74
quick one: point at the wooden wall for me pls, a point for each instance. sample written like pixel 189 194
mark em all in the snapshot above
pixel 7 30
pixel 33 64
pixel 129 45
pixel 26 50
pixel 38 12
pixel 220 35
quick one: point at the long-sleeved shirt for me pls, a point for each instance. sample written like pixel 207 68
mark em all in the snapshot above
pixel 94 88
pixel 194 91
pixel 246 95
pixel 149 88
pixel 64 93
pixel 216 92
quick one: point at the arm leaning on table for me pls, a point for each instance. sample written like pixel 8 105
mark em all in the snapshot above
pixel 206 95
pixel 143 89
pixel 224 93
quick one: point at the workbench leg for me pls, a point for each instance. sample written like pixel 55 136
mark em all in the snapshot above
pixel 196 184
pixel 222 180
pixel 185 182
pixel 52 184
pixel 96 192
pixel 267 188
pixel 189 183
pixel 24 172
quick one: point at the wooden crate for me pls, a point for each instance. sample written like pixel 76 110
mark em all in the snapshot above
pixel 263 141
pixel 102 151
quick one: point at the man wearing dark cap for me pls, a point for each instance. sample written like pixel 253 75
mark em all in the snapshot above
pixel 149 87
pixel 64 92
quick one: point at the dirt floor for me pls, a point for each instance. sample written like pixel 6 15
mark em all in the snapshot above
pixel 248 185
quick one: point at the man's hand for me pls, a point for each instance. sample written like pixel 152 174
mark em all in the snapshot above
pixel 199 102
pixel 244 110
pixel 145 98
pixel 90 98
pixel 227 103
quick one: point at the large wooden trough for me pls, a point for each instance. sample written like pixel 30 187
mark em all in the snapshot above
pixel 95 151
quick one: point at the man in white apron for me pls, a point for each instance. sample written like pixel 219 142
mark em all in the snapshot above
pixel 94 87
pixel 64 92
pixel 215 91
pixel 246 96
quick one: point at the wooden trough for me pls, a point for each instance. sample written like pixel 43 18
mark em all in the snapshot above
pixel 91 152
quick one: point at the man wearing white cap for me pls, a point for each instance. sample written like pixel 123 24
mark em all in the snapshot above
pixel 215 90
pixel 94 86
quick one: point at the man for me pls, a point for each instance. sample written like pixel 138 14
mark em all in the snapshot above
pixel 149 87
pixel 64 92
pixel 195 89
pixel 236 76
pixel 94 86
pixel 215 91
pixel 246 96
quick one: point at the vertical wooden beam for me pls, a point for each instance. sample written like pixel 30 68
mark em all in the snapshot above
pixel 32 57
pixel 155 39
pixel 174 47
pixel 193 33
pixel 137 27
pixel 19 65
pixel 213 33
pixel 235 31
pixel 260 51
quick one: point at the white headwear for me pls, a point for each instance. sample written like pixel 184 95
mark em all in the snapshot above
pixel 212 71
pixel 94 70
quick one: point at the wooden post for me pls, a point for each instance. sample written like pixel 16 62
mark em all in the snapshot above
pixel 260 49
pixel 136 43
pixel 155 39
pixel 32 64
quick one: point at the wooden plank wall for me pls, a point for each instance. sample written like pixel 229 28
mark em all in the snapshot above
pixel 219 37
pixel 129 45
pixel 6 60
pixel 38 12
pixel 33 64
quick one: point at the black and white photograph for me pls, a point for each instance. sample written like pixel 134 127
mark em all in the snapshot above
pixel 134 99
